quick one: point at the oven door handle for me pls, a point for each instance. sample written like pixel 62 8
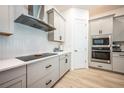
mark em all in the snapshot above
pixel 102 50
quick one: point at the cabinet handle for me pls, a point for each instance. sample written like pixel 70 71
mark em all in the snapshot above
pixel 48 66
pixel 121 55
pixel 48 82
pixel 99 66
pixel 99 31
pixel 66 60
pixel 60 37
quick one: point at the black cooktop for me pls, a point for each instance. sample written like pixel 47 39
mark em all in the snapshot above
pixel 36 56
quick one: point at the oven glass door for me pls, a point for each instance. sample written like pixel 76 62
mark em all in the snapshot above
pixel 100 41
pixel 101 55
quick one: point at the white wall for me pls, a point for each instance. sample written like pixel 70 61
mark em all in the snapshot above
pixel 71 15
pixel 25 40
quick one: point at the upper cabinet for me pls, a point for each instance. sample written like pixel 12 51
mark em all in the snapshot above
pixel 57 20
pixel 101 26
pixel 118 32
pixel 6 20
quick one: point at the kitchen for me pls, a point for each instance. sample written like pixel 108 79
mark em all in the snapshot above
pixel 43 46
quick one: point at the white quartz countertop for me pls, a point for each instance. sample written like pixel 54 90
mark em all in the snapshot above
pixel 10 63
pixel 61 53
pixel 13 63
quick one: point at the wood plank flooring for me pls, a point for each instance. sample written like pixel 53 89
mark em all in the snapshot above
pixel 91 78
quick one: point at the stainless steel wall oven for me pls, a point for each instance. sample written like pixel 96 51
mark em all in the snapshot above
pixel 101 49
pixel 101 54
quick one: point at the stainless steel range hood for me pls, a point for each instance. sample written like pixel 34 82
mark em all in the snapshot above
pixel 34 22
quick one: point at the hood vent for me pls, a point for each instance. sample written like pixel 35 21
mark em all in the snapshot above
pixel 34 22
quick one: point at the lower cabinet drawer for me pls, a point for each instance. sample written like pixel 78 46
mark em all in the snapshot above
pixel 37 84
pixel 38 70
pixel 101 65
pixel 47 81
pixel 50 79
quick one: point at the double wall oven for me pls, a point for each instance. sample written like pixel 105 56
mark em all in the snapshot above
pixel 101 49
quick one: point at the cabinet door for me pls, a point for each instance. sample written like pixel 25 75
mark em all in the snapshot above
pixel 57 26
pixel 118 64
pixel 95 27
pixel 118 32
pixel 19 82
pixel 62 29
pixel 58 21
pixel 64 64
pixel 68 61
pixel 6 20
pixel 106 25
pixel 102 26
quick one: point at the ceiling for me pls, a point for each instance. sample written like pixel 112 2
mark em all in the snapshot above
pixel 93 9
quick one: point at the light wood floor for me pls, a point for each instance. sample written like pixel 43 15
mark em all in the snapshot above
pixel 91 78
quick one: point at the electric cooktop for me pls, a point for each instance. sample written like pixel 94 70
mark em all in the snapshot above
pixel 36 56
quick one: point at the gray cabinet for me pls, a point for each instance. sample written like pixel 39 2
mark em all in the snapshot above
pixel 118 62
pixel 118 32
pixel 49 80
pixel 19 82
pixel 58 22
pixel 13 78
pixel 65 61
pixel 101 26
pixel 43 73
pixel 6 20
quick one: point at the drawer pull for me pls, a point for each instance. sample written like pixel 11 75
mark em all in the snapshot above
pixel 121 55
pixel 66 61
pixel 99 66
pixel 48 82
pixel 48 66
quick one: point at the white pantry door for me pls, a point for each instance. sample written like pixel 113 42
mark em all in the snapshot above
pixel 80 44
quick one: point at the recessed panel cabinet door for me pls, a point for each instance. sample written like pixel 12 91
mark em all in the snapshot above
pixel 62 30
pixel 65 61
pixel 19 82
pixel 106 25
pixel 94 27
pixel 118 32
pixel 4 18
pixel 57 26
pixel 101 26
pixel 118 64
pixel 56 19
